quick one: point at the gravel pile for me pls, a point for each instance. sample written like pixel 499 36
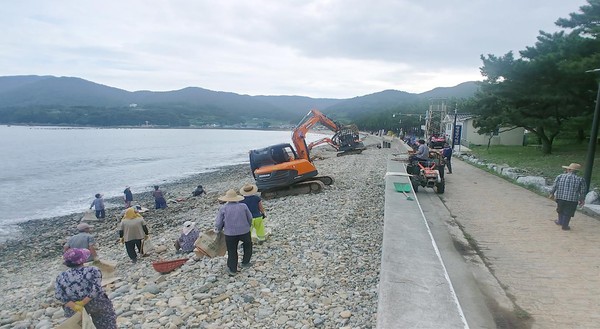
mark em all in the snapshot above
pixel 319 268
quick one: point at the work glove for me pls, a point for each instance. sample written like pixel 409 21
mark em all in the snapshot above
pixel 78 306
pixel 96 261
pixel 121 240
pixel 146 237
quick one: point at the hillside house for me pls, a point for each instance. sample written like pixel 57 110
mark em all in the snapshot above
pixel 469 135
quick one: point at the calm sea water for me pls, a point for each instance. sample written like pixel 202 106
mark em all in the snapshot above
pixel 48 171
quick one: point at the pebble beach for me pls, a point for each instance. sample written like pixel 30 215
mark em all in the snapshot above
pixel 318 269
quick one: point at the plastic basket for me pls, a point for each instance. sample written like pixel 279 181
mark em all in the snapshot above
pixel 168 265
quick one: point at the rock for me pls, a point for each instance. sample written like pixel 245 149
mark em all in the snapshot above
pixel 167 312
pixel 301 276
pixel 44 324
pixel 176 321
pixel 318 321
pixel 21 325
pixel 248 298
pixel 592 197
pixel 282 320
pixel 176 301
pixel 345 314
pixel 151 288
pixel 532 180
pixel 220 298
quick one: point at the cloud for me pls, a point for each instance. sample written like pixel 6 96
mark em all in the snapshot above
pixel 326 48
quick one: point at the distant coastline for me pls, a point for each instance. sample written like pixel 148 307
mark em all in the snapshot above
pixel 150 127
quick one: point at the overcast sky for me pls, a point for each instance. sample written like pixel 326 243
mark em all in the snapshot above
pixel 323 48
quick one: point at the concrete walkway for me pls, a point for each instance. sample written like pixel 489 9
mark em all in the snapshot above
pixel 554 275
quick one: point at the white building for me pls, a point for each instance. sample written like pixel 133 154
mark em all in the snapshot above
pixel 469 135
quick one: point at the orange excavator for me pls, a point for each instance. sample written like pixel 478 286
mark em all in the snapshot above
pixel 346 140
pixel 281 169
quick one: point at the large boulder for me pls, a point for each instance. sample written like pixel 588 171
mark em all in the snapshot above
pixel 536 181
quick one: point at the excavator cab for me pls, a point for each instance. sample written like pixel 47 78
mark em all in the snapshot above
pixel 271 155
pixel 279 166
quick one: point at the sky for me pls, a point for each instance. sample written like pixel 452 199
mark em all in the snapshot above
pixel 319 48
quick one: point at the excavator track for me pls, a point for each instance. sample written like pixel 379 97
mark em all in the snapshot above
pixel 349 152
pixel 311 186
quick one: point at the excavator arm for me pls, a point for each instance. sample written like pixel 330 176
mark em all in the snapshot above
pixel 312 118
pixel 322 141
pixel 345 139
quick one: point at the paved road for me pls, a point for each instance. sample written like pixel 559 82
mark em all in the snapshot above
pixel 554 275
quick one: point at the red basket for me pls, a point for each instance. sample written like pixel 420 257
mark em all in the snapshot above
pixel 168 265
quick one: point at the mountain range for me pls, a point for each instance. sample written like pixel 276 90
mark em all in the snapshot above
pixel 73 101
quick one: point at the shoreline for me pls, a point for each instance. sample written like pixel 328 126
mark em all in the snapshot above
pixel 320 266
pixel 57 226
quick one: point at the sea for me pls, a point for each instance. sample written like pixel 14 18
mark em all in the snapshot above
pixel 54 171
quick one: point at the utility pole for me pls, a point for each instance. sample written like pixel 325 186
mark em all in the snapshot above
pixel 454 125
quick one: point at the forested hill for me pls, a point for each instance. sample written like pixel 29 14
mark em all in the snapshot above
pixel 74 101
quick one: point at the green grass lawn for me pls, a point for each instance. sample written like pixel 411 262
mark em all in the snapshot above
pixel 532 159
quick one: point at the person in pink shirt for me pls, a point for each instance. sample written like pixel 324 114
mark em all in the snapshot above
pixel 235 219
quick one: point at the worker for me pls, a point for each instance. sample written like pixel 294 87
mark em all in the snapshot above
pixel 199 191
pixel 422 153
pixel 568 191
pixel 83 240
pixel 254 203
pixel 235 220
pixel 447 154
pixel 187 238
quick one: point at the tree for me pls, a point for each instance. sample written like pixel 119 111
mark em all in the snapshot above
pixel 585 23
pixel 540 91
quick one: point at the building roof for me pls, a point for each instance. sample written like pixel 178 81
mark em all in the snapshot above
pixel 460 117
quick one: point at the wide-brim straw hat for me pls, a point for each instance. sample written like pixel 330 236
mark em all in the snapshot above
pixel 188 226
pixel 248 189
pixel 573 166
pixel 231 196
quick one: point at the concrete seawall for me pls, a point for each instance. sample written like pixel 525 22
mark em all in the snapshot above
pixel 414 289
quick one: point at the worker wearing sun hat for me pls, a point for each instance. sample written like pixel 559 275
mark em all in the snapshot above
pixel 189 235
pixel 84 239
pixel 254 203
pixel 128 197
pixel 132 230
pixel 235 219
pixel 568 191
